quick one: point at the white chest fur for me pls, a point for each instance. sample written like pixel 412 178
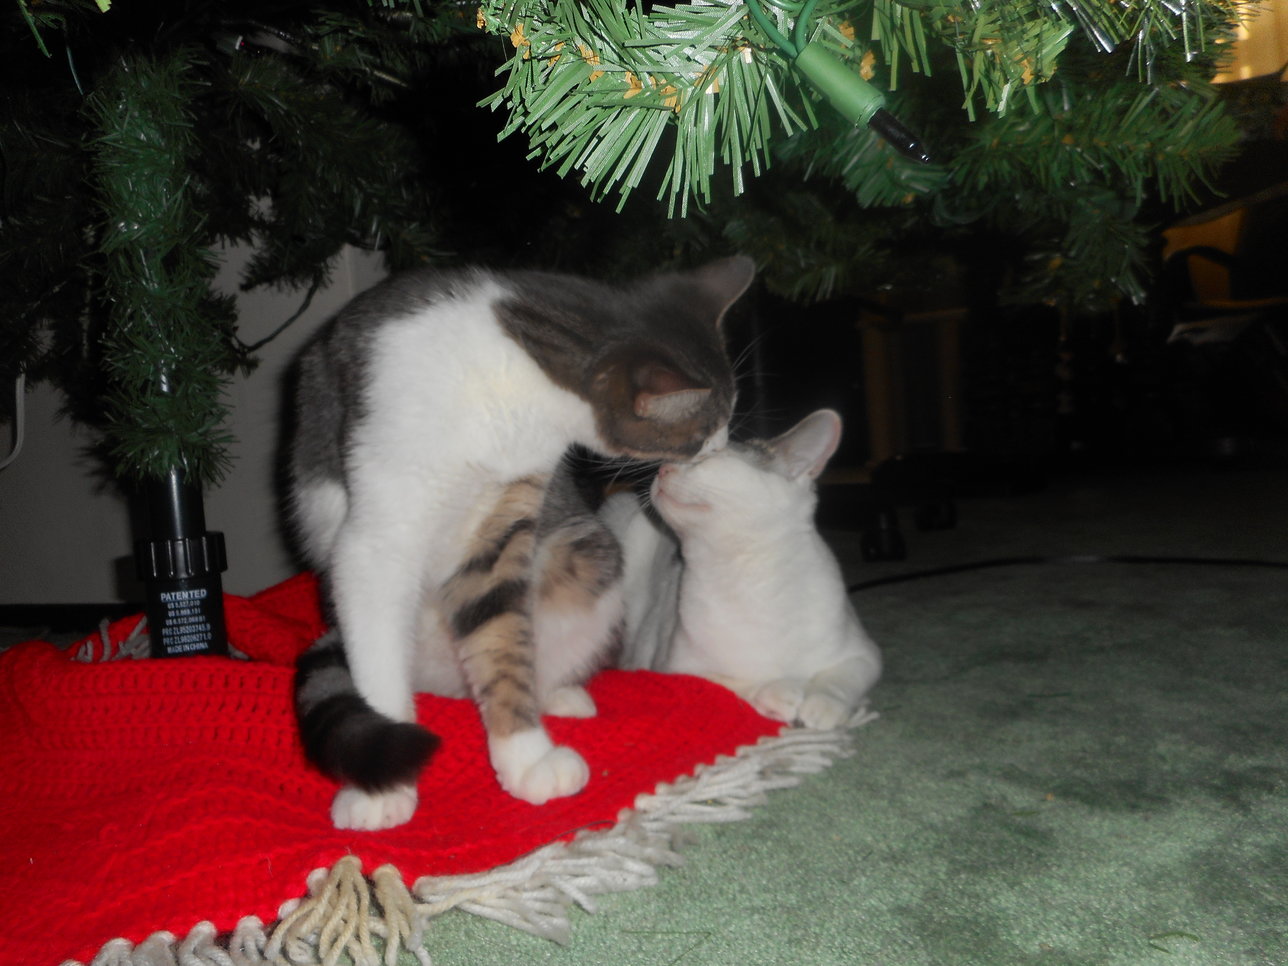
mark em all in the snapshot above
pixel 762 606
pixel 453 380
pixel 458 409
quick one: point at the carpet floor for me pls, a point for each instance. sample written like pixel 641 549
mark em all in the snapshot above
pixel 1075 765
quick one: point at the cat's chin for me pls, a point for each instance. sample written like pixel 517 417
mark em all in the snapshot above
pixel 665 501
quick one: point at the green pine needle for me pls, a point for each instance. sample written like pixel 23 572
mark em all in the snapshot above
pixel 165 353
pixel 721 72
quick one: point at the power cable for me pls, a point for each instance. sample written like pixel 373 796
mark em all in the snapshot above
pixel 1070 560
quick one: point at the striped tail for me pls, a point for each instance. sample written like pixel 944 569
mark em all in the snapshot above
pixel 343 735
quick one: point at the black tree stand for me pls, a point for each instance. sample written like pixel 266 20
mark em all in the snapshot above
pixel 180 564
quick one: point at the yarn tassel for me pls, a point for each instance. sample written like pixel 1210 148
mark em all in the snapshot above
pixel 333 919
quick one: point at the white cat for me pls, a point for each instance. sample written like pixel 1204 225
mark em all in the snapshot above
pixel 739 586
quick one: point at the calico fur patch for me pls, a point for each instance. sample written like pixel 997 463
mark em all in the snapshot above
pixel 487 607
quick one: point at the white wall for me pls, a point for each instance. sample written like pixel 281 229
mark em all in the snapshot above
pixel 64 534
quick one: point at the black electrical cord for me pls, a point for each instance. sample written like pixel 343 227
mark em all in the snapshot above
pixel 1065 560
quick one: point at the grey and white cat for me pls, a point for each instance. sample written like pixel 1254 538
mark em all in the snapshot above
pixel 430 416
pixel 738 586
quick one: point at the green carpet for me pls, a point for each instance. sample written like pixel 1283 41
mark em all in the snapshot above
pixel 1074 765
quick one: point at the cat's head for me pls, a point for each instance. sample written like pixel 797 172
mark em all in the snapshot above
pixel 663 386
pixel 761 484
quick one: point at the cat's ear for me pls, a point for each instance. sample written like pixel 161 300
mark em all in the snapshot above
pixel 663 395
pixel 722 282
pixel 803 451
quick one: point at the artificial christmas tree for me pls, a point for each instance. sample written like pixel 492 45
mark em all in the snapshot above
pixel 1059 125
pixel 1056 132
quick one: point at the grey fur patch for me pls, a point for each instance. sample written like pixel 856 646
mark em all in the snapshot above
pixel 322 683
pixel 605 342
pixel 342 735
pixel 757 451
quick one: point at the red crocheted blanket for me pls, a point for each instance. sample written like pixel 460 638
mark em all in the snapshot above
pixel 142 795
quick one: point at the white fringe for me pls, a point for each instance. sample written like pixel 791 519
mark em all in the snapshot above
pixel 370 920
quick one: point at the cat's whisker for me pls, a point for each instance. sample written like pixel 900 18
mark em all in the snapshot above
pixel 739 422
pixel 633 473
pixel 760 420
pixel 748 351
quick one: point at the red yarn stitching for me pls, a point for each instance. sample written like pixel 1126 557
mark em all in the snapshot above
pixel 153 794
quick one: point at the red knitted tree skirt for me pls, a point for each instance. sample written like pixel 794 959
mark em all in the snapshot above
pixel 145 795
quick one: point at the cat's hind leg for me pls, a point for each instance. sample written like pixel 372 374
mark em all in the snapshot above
pixel 375 586
pixel 378 758
pixel 318 508
pixel 488 604
pixel 357 808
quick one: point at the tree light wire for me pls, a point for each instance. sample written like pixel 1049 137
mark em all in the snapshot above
pixel 770 28
pixel 804 14
pixel 19 418
pixel 800 32
pixel 1066 560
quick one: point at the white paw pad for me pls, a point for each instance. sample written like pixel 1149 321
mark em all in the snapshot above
pixel 354 808
pixel 570 702
pixel 529 766
pixel 823 712
pixel 779 699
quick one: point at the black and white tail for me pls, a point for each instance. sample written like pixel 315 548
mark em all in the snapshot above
pixel 343 735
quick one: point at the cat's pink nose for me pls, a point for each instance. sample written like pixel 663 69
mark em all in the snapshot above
pixel 665 470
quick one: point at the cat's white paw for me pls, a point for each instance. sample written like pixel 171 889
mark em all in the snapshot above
pixel 570 702
pixel 561 771
pixel 529 766
pixel 354 808
pixel 823 712
pixel 779 699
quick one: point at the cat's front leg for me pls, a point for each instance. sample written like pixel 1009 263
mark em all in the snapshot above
pixel 532 767
pixel 832 696
pixel 823 711
pixel 488 603
pixel 528 765
pixel 778 699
